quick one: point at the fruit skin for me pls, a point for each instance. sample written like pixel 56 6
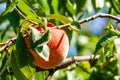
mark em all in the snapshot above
pixel 58 44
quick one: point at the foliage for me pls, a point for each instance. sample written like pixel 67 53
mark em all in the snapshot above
pixel 19 15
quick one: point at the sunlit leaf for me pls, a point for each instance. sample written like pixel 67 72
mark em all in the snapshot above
pixel 59 17
pixel 103 41
pixel 55 5
pixel 25 9
pixel 70 7
pixel 25 24
pixel 40 75
pixel 28 12
pixel 115 4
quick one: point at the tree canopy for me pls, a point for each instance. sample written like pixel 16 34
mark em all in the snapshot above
pixel 92 27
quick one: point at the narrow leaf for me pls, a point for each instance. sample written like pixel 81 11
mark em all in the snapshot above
pixel 55 4
pixel 69 34
pixel 24 8
pixel 16 67
pixel 115 5
pixel 70 7
pixel 60 18
pixel 10 8
pixel 14 19
pixel 28 12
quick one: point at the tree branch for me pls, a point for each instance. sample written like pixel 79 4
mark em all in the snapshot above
pixel 67 62
pixel 71 60
pixel 6 44
pixel 100 15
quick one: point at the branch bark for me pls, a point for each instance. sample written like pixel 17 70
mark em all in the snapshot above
pixel 68 61
pixel 100 15
pixel 7 44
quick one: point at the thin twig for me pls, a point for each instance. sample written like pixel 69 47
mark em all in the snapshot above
pixel 2 44
pixel 100 15
pixel 7 44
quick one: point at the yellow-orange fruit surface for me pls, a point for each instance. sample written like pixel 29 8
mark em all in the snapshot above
pixel 58 45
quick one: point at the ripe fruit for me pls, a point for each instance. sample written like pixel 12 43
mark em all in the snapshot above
pixel 58 45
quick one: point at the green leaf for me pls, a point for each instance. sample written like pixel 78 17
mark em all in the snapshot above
pixel 10 8
pixel 102 42
pixel 43 51
pixel 70 7
pixel 16 67
pixel 81 6
pixel 20 44
pixel 24 8
pixel 111 29
pixel 44 6
pixel 60 18
pixel 69 34
pixel 55 5
pixel 41 41
pixel 115 4
pixel 25 24
pixel 40 75
pixel 14 19
pixel 35 34
pixel 75 26
pixel 23 60
pixel 28 12
pixel 4 62
pixel 7 75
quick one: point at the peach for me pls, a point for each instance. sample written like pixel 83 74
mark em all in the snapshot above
pixel 58 44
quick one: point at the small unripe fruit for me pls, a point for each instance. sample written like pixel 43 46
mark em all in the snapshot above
pixel 58 45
